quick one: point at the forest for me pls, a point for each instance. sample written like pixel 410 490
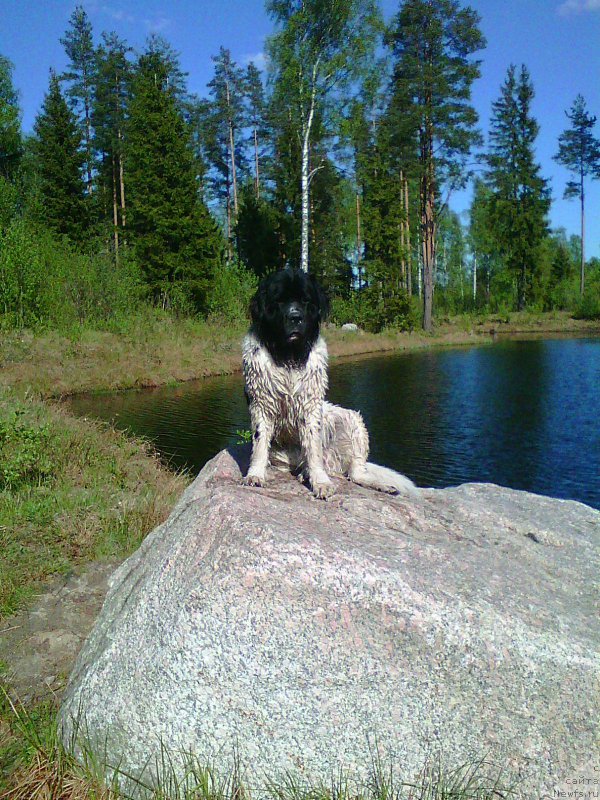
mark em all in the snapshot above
pixel 132 194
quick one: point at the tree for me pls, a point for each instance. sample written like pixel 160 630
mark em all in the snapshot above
pixel 520 198
pixel 111 94
pixel 177 243
pixel 60 163
pixel 432 42
pixel 226 118
pixel 579 152
pixel 316 53
pixel 79 47
pixel 255 98
pixel 11 145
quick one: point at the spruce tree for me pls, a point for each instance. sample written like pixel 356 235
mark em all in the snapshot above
pixel 11 145
pixel 177 243
pixel 579 152
pixel 520 198
pixel 79 47
pixel 60 161
pixel 433 42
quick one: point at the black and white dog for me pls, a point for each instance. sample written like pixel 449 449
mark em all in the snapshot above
pixel 285 368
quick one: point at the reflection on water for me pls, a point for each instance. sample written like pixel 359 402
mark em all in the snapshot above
pixel 520 413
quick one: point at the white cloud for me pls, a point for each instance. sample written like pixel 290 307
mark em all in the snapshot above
pixel 117 14
pixel 157 24
pixel 260 60
pixel 578 7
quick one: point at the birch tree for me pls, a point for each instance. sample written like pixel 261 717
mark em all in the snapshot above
pixel 316 53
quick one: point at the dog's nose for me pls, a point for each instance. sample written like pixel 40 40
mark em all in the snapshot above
pixel 294 314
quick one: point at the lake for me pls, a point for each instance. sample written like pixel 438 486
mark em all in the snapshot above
pixel 523 414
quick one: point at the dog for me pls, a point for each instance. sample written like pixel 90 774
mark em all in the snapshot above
pixel 285 370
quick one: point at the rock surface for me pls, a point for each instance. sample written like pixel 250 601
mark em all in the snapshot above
pixel 303 635
pixel 39 644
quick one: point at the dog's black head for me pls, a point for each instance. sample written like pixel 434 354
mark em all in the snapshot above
pixel 286 311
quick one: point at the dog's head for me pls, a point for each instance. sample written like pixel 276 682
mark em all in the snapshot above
pixel 286 311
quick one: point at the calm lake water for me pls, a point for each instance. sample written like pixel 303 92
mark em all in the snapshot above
pixel 524 414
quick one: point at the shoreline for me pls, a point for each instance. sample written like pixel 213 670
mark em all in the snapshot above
pixel 52 366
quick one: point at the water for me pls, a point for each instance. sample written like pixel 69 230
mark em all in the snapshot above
pixel 523 414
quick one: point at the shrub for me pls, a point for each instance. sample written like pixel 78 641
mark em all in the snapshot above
pixel 44 281
pixel 23 451
pixel 231 292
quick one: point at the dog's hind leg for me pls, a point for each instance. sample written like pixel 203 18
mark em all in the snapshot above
pixel 347 452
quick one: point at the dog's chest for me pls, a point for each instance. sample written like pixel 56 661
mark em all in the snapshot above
pixel 286 393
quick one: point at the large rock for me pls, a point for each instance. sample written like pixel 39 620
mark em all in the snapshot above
pixel 304 635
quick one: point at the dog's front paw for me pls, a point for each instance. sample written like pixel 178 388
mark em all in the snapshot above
pixel 323 490
pixel 253 480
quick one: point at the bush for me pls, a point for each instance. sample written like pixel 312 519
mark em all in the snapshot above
pixel 588 307
pixel 45 282
pixel 23 451
pixel 231 292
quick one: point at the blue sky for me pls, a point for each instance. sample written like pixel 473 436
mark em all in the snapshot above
pixel 558 40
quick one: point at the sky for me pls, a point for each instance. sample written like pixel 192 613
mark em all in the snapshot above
pixel 558 40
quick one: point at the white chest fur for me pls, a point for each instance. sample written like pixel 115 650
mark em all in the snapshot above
pixel 284 393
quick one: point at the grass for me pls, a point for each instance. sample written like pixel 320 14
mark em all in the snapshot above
pixel 155 349
pixel 71 491
pixel 42 768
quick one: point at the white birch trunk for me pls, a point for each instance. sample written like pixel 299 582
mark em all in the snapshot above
pixel 306 176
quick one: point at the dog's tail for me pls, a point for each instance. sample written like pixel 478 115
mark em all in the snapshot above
pixel 383 479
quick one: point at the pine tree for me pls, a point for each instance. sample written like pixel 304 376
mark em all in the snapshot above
pixel 177 243
pixel 432 42
pixel 257 120
pixel 60 163
pixel 79 47
pixel 520 197
pixel 11 145
pixel 111 92
pixel 224 125
pixel 579 152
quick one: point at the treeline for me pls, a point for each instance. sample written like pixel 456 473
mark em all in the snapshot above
pixel 341 159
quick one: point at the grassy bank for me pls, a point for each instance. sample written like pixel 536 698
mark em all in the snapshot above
pixel 71 491
pixel 158 350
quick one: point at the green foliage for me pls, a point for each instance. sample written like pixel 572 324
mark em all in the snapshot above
pixel 60 163
pixel 10 123
pixel 578 148
pixel 433 42
pixel 9 203
pixel 375 308
pixel 520 197
pixel 231 292
pixel 588 306
pixel 81 75
pixel 45 282
pixel 24 451
pixel 256 233
pixel 175 240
